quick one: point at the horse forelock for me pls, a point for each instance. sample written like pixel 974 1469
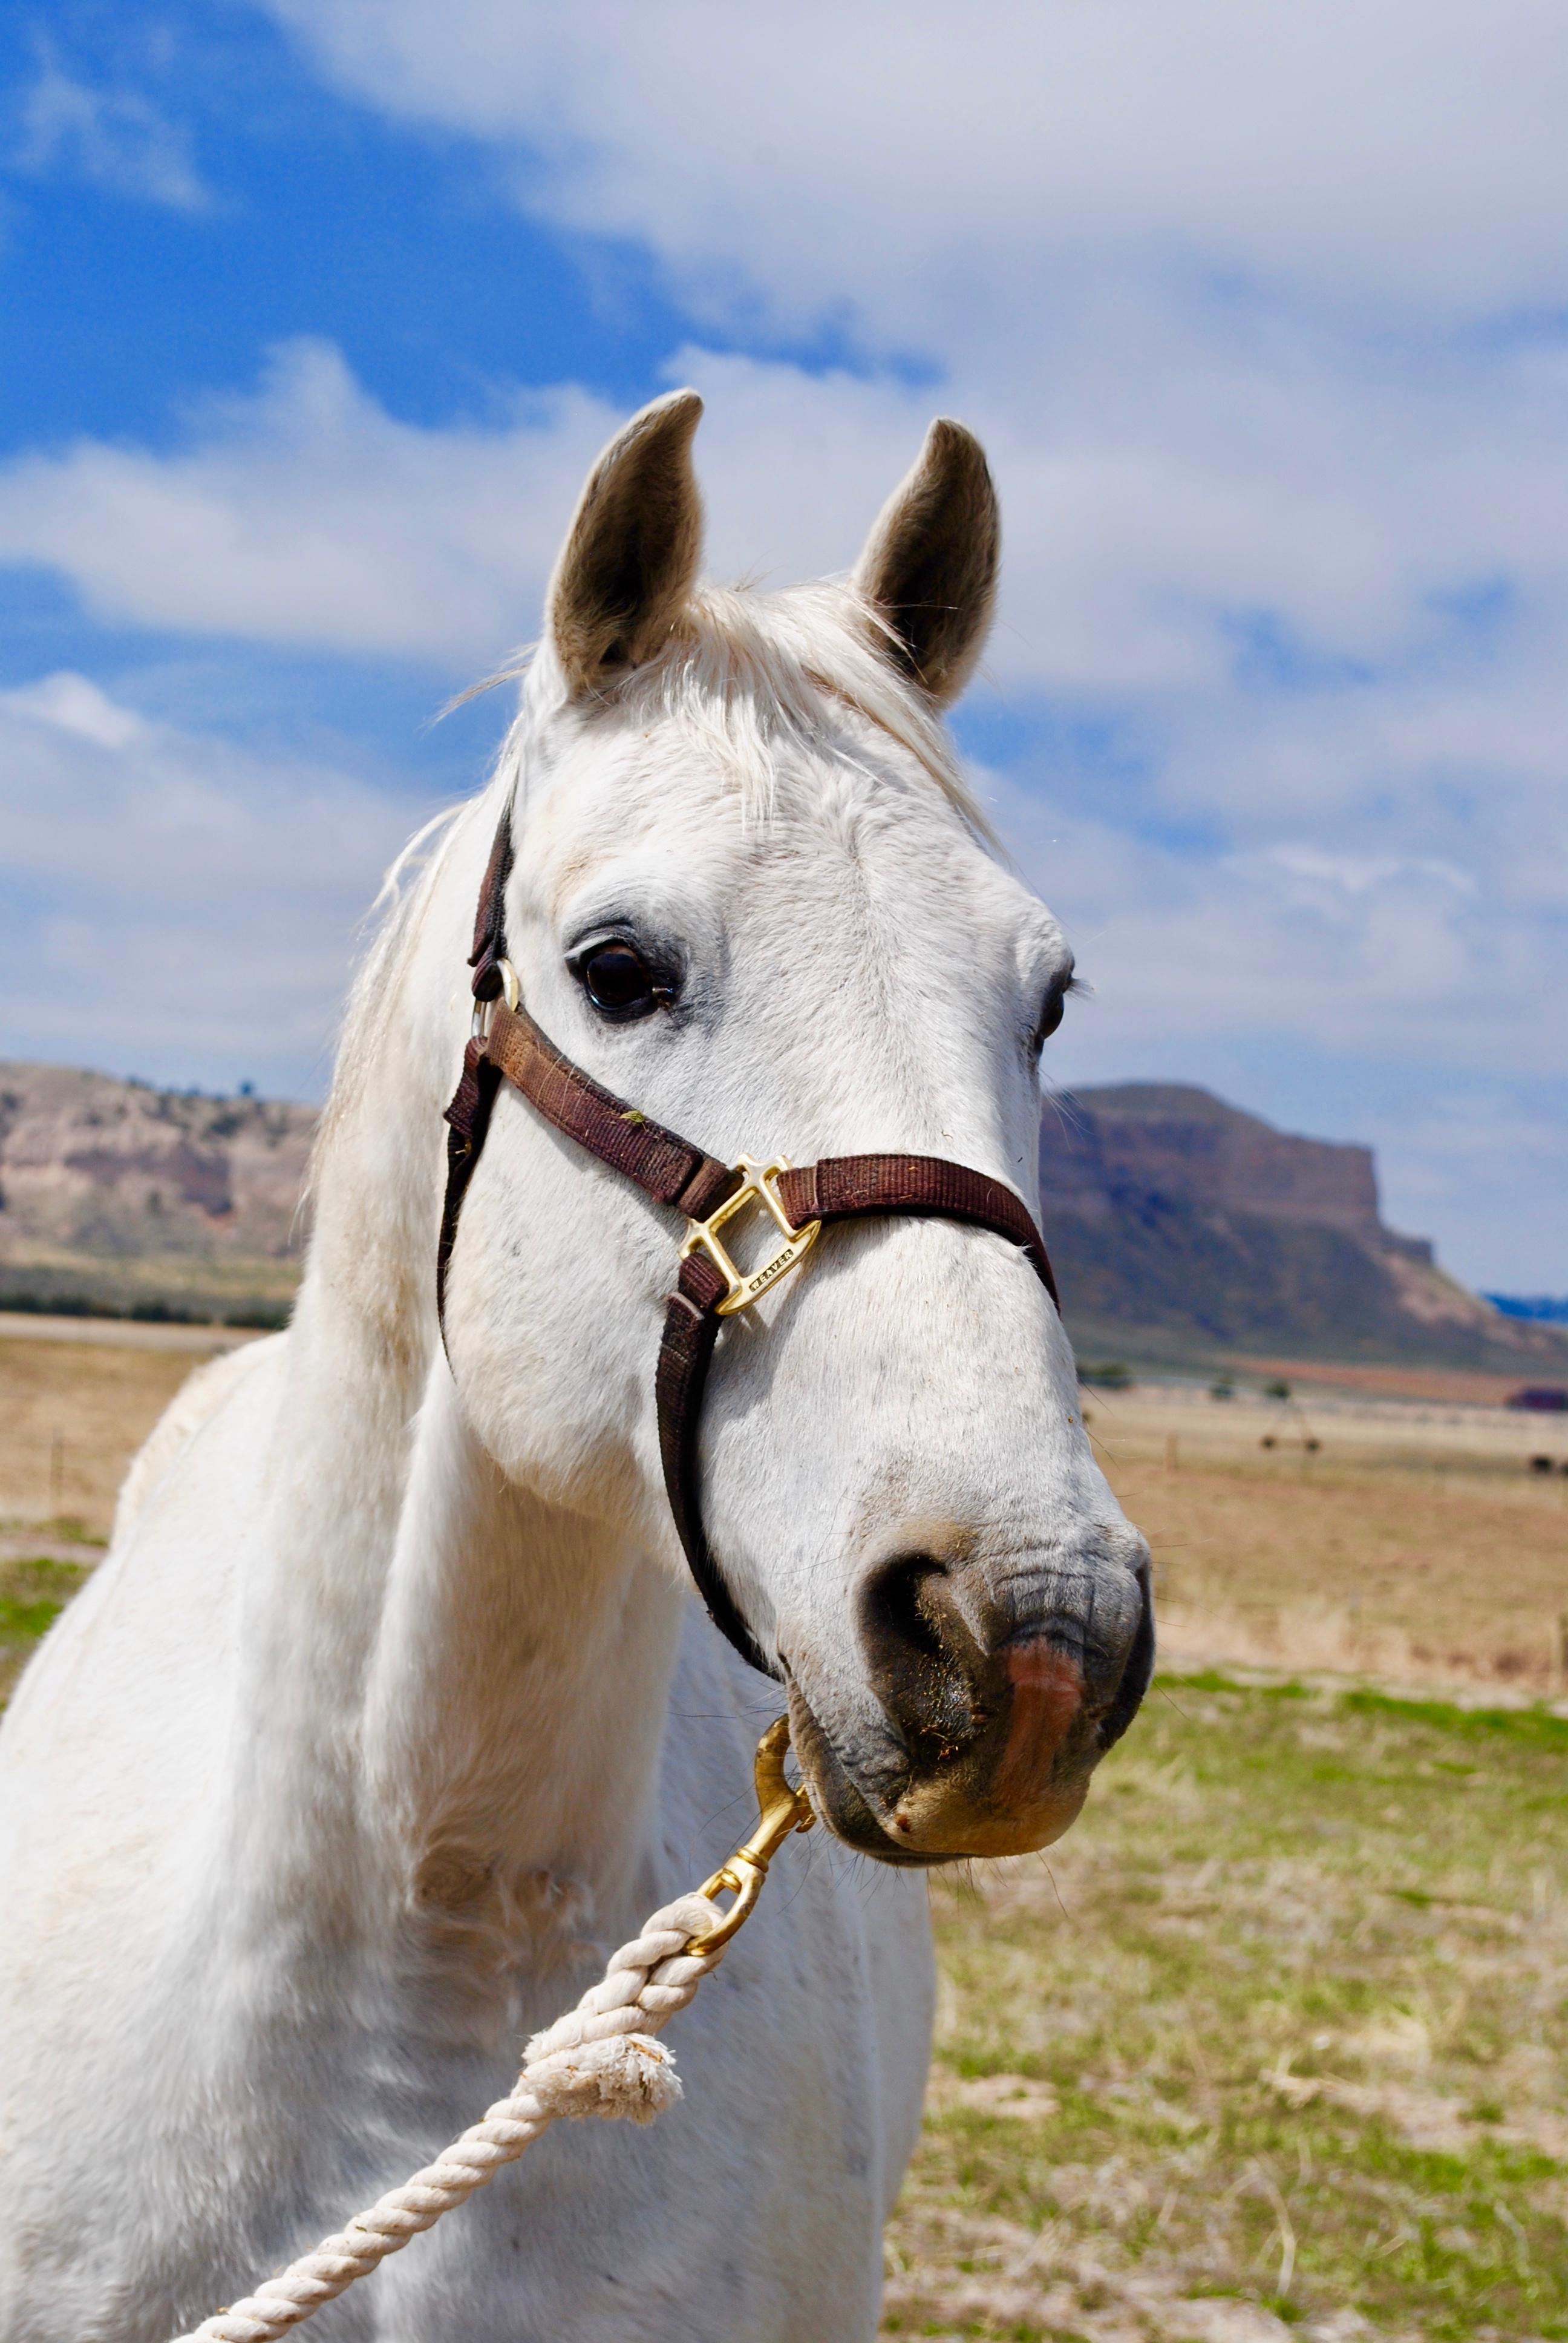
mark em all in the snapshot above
pixel 747 677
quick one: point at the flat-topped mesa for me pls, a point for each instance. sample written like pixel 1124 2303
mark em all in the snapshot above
pixel 1173 1140
pixel 1179 1223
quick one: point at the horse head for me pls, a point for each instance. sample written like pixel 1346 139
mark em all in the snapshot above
pixel 749 892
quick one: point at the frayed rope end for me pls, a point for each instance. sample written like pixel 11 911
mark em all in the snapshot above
pixel 627 2075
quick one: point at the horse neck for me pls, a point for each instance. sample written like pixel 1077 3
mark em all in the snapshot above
pixel 454 1691
pixel 517 1692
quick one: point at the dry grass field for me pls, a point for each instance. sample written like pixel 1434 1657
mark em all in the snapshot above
pixel 1414 1543
pixel 73 1414
pixel 1276 2041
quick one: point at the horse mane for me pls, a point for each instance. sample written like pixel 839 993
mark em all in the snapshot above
pixel 390 928
pixel 745 674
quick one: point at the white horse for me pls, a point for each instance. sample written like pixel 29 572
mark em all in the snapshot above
pixel 390 1709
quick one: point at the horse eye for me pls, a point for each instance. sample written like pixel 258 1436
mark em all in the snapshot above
pixel 1050 1015
pixel 619 982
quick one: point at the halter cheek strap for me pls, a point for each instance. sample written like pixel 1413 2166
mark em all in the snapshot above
pixel 508 1046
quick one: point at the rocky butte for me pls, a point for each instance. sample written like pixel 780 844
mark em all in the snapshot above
pixel 1180 1225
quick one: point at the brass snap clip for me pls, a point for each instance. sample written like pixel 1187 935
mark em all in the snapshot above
pixel 782 1810
pixel 756 1188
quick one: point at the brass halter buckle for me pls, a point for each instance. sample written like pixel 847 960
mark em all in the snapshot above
pixel 756 1188
pixel 781 1810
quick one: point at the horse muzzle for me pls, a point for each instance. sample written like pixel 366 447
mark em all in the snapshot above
pixel 993 1707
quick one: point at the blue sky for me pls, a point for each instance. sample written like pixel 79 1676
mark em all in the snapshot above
pixel 314 317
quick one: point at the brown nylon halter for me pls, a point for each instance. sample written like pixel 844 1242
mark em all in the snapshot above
pixel 507 1044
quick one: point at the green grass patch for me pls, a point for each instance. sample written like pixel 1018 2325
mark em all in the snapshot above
pixel 32 1593
pixel 40 1581
pixel 1536 1726
pixel 1288 2013
pixel 25 1620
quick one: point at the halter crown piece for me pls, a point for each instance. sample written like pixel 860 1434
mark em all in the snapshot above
pixel 506 1045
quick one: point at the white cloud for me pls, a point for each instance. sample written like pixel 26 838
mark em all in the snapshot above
pixel 1480 1167
pixel 1142 526
pixel 922 164
pixel 72 705
pixel 114 138
pixel 1355 954
pixel 174 905
pixel 308 516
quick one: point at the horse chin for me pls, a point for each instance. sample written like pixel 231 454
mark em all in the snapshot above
pixel 835 1798
pixel 962 1831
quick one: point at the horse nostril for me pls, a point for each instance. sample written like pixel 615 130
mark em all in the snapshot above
pixel 923 1657
pixel 897 1604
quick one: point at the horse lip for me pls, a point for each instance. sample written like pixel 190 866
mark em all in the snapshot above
pixel 841 1805
pixel 836 1797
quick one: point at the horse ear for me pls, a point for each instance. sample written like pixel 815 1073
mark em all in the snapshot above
pixel 930 567
pixel 631 553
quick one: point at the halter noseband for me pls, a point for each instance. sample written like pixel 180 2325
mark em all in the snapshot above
pixel 507 1044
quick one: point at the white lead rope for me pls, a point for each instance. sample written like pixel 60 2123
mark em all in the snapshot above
pixel 600 2059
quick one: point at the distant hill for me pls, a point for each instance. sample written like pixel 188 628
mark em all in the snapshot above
pixel 1181 1228
pixel 116 1193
